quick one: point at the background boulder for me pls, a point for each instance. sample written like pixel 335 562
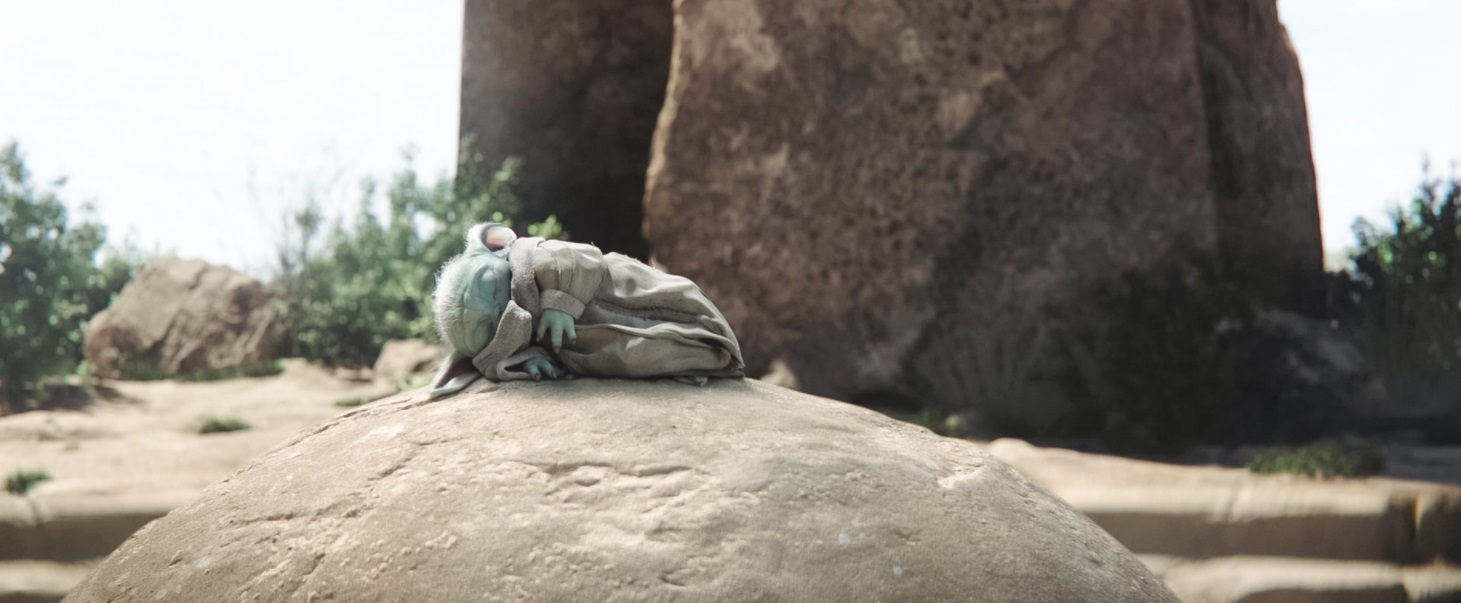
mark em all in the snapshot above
pixel 185 316
pixel 619 490
pixel 900 198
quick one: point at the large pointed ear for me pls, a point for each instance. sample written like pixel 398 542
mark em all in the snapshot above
pixel 455 374
pixel 497 237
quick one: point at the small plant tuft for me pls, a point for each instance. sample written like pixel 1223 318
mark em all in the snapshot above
pixel 224 425
pixel 1324 459
pixel 409 383
pixel 23 480
pixel 352 402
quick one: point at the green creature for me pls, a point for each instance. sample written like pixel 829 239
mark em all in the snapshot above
pixel 528 308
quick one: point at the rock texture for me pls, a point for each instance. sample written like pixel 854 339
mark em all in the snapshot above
pixel 623 490
pixel 132 456
pixel 892 195
pixel 1258 134
pixel 1198 512
pixel 573 88
pixel 403 358
pixel 182 316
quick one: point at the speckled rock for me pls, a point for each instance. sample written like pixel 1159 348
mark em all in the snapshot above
pixel 594 490
pixel 895 197
pixel 1263 170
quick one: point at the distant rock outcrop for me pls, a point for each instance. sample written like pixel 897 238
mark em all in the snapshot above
pixel 623 490
pixel 185 316
pixel 895 197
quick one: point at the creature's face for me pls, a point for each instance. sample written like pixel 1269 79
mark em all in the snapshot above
pixel 473 289
pixel 487 298
pixel 486 286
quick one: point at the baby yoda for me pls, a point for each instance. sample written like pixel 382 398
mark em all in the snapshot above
pixel 529 308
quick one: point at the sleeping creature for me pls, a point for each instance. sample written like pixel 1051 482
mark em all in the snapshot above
pixel 529 308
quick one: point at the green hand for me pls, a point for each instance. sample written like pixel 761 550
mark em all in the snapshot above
pixel 539 368
pixel 554 326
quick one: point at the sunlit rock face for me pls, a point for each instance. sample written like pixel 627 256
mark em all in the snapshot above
pixel 179 317
pixel 905 199
pixel 616 490
pixel 899 197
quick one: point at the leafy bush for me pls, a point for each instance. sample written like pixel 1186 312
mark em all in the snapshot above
pixel 22 481
pixel 50 281
pixel 371 281
pixel 1325 459
pixel 1161 356
pixel 224 425
pixel 1405 293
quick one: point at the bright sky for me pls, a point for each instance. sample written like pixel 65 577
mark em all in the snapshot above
pixel 1383 80
pixel 194 126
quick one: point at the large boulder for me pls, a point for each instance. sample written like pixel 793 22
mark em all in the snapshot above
pixel 183 316
pixel 573 88
pixel 615 490
pixel 896 197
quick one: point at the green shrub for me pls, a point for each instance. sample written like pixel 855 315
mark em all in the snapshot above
pixel 1404 291
pixel 352 402
pixel 1325 459
pixel 224 425
pixel 371 281
pixel 22 481
pixel 50 281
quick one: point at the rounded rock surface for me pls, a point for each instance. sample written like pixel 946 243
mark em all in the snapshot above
pixel 609 490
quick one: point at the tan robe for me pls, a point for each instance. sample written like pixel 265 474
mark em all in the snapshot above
pixel 632 320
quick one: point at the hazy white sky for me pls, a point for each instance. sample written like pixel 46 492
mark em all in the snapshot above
pixel 1383 79
pixel 193 126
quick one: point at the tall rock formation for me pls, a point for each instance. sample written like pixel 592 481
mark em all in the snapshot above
pixel 897 197
pixel 573 88
pixel 890 195
pixel 1258 133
